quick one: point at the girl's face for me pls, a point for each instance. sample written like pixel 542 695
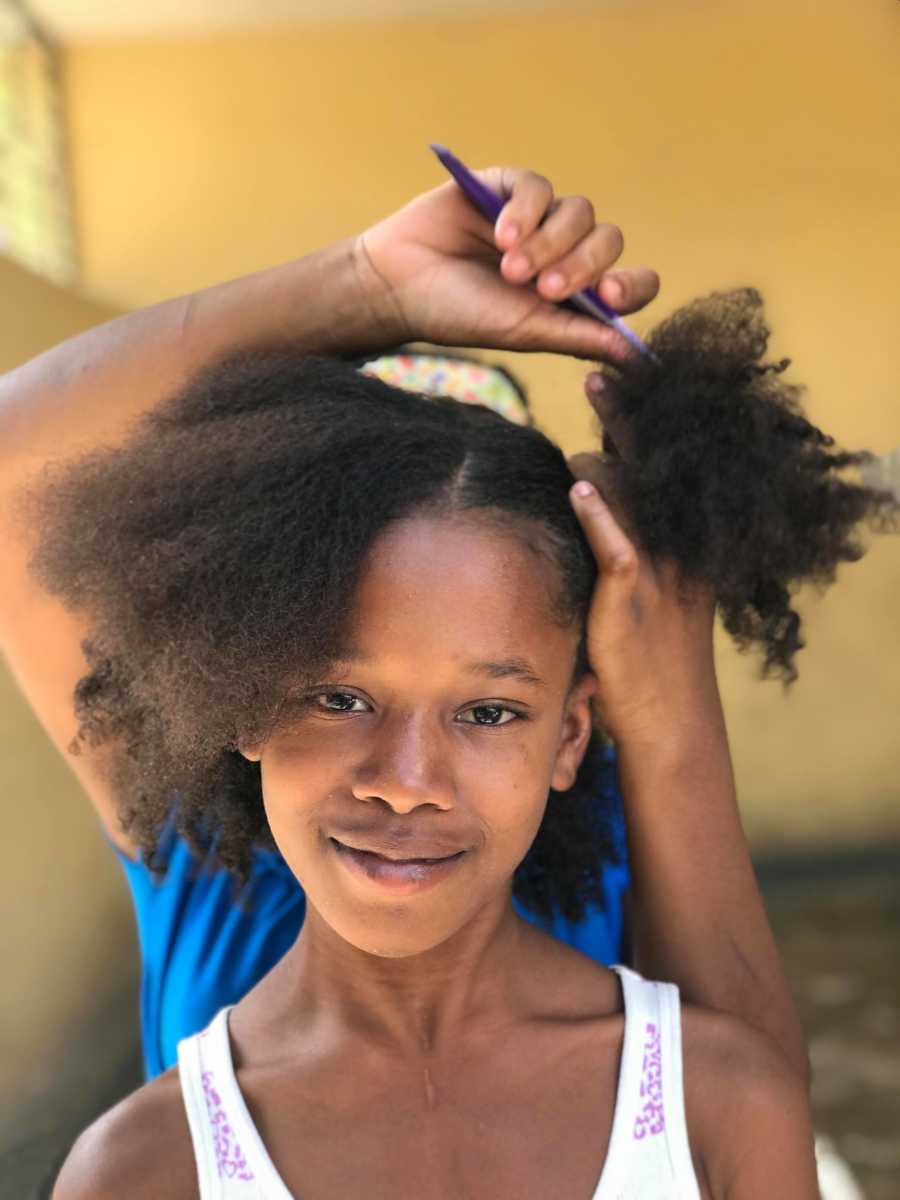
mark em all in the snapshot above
pixel 448 721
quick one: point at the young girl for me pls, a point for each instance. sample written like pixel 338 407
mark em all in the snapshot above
pixel 203 948
pixel 372 628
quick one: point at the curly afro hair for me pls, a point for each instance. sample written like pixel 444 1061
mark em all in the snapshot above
pixel 215 550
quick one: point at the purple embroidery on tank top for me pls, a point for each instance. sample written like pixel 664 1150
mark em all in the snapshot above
pixel 651 1119
pixel 229 1159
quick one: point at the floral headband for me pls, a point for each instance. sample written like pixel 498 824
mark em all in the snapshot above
pixel 461 379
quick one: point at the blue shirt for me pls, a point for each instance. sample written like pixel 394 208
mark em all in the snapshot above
pixel 200 950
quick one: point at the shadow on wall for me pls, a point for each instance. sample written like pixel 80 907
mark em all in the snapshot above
pixel 68 1009
pixel 98 1064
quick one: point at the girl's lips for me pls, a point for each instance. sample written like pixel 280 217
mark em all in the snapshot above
pixel 408 876
pixel 417 858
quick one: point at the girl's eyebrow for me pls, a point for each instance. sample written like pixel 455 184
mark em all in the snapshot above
pixel 501 668
pixel 507 668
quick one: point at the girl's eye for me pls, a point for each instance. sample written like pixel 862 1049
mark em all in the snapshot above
pixel 492 714
pixel 339 702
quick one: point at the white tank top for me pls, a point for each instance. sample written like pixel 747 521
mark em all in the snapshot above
pixel 648 1157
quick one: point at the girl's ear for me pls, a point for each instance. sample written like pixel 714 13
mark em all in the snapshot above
pixel 252 753
pixel 577 726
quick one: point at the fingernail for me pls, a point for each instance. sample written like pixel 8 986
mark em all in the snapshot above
pixel 555 282
pixel 583 488
pixel 613 290
pixel 518 264
pixel 509 232
pixel 595 382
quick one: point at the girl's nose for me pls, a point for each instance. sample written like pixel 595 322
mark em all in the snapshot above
pixel 406 765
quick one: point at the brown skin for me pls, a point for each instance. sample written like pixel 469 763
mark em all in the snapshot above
pixel 436 1037
pixel 527 1113
pixel 373 1024
pixel 415 972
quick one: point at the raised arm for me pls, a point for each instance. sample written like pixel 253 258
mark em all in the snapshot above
pixel 89 389
pixel 695 913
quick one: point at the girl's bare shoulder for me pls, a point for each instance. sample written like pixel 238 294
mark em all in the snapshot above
pixel 141 1148
pixel 747 1110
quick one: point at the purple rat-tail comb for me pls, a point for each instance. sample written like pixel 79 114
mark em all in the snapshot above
pixel 587 300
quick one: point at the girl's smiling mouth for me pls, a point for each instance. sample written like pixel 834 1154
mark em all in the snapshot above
pixel 405 876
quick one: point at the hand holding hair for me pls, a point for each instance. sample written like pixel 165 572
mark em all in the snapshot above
pixel 649 633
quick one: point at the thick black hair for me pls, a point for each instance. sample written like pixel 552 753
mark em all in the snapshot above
pixel 216 552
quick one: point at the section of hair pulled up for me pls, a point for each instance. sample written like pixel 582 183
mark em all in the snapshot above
pixel 728 477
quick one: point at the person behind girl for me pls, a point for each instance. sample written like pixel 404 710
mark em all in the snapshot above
pixel 286 540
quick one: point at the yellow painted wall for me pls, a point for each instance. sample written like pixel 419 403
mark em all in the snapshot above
pixel 735 141
pixel 66 929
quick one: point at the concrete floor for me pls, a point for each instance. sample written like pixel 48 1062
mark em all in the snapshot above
pixel 838 929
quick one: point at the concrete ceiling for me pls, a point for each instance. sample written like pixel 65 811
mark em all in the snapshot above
pixel 92 20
